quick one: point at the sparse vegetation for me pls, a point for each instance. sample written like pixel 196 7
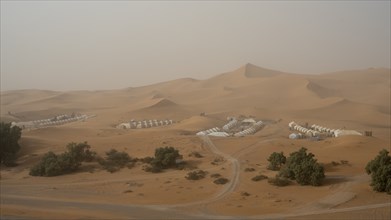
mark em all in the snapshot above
pixel 217 161
pixel 221 181
pixel 276 160
pixel 215 175
pixel 380 170
pixel 196 175
pixel 259 178
pixel 115 160
pixel 249 169
pixel 67 162
pixel 195 154
pixel 304 168
pixel 9 146
pixel 279 181
pixel 334 163
pixel 245 194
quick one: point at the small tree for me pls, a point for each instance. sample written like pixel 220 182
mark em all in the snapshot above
pixel 276 160
pixel 303 168
pixel 380 170
pixel 9 137
pixel 165 157
pixel 75 154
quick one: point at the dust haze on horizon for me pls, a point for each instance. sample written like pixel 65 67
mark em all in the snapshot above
pixel 91 45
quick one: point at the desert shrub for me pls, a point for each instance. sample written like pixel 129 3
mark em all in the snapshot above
pixel 195 154
pixel 67 162
pixel 334 163
pixel 115 160
pixel 221 181
pixel 146 159
pixel 304 168
pixel 276 160
pixel 215 175
pixel 152 169
pixel 245 194
pixel 380 170
pixel 249 169
pixel 49 165
pixel 259 178
pixel 165 157
pixel 278 181
pixel 9 146
pixel 196 175
pixel 217 161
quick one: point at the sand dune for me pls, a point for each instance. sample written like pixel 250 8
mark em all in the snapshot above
pixel 357 100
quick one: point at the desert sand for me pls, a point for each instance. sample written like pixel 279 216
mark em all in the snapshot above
pixel 357 100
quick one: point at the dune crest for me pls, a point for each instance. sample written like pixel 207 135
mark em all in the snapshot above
pixel 253 71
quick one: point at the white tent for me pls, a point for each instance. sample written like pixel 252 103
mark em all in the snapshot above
pixel 340 133
pixel 219 134
pixel 294 136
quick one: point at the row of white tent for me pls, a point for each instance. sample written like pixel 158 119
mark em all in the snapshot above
pixel 323 129
pixel 144 124
pixel 232 123
pixel 335 132
pixel 251 130
pixel 316 130
pixel 209 131
pixel 58 120
pixel 219 134
pixel 308 132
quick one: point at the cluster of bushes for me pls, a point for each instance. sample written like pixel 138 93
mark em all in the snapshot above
pixel 9 147
pixel 300 166
pixel 380 170
pixel 115 160
pixel 53 165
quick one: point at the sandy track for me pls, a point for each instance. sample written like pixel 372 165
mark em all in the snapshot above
pixel 96 209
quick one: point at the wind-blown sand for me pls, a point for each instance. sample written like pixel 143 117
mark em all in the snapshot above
pixel 358 100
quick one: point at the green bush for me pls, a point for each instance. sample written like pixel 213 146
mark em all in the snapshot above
pixel 276 160
pixel 67 162
pixel 196 175
pixel 303 168
pixel 165 157
pixel 380 170
pixel 9 147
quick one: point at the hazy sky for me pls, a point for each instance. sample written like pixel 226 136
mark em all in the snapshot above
pixel 67 45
